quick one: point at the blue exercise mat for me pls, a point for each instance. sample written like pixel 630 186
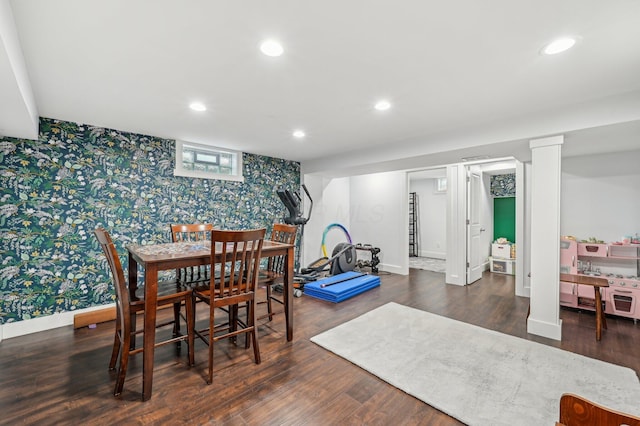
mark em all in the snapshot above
pixel 341 286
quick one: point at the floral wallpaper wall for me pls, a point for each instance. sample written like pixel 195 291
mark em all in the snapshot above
pixel 503 185
pixel 55 191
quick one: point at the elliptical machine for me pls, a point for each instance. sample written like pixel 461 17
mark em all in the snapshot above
pixel 296 215
pixel 344 255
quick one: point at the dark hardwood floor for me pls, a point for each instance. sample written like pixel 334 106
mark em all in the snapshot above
pixel 61 376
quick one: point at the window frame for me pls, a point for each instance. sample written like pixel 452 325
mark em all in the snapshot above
pixel 236 159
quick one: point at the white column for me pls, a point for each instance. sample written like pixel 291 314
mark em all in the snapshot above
pixel 456 272
pixel 544 318
pixel 522 249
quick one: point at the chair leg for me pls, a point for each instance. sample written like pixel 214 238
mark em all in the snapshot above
pixel 116 345
pixel 269 308
pixel 132 342
pixel 233 321
pixel 211 328
pixel 189 307
pixel 124 362
pixel 249 321
pixel 254 332
pixel 176 318
pixel 176 323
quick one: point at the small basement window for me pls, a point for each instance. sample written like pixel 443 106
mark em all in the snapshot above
pixel 207 162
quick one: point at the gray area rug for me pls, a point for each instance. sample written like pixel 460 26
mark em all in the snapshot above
pixel 428 264
pixel 478 376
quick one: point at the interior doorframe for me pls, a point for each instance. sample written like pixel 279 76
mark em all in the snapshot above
pixel 456 258
pixel 523 286
pixel 474 192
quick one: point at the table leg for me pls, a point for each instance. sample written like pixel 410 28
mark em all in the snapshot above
pixel 598 313
pixel 133 285
pixel 150 301
pixel 288 293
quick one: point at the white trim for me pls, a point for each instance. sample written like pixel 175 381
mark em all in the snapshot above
pixel 179 171
pixel 35 325
pixel 393 269
pixel 522 288
pixel 202 175
pixel 433 254
pixel 545 142
pixel 545 329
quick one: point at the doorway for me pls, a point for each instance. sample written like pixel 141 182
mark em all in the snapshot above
pixel 433 209
pixel 428 208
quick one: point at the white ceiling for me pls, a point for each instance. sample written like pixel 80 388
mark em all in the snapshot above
pixel 465 77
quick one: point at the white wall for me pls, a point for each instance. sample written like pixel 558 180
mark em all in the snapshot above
pixel 373 208
pixel 331 205
pixel 380 217
pixel 601 196
pixel 313 229
pixel 432 218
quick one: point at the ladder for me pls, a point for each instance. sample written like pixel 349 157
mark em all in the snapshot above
pixel 413 224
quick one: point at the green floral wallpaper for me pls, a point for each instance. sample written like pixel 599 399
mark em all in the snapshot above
pixel 503 185
pixel 55 191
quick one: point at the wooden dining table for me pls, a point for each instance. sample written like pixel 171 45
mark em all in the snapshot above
pixel 159 257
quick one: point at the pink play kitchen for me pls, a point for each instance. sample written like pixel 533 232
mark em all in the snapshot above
pixel 618 262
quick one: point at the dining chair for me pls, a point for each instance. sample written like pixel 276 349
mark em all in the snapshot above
pixel 130 302
pixel 275 267
pixel 578 411
pixel 191 232
pixel 235 258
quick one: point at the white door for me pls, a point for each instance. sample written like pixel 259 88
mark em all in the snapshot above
pixel 475 264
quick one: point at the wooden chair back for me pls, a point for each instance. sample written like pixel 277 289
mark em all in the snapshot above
pixel 123 297
pixel 578 411
pixel 281 233
pixel 235 262
pixel 191 232
pixel 128 304
pixel 237 268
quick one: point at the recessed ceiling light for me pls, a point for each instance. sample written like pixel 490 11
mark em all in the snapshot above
pixel 559 45
pixel 299 134
pixel 382 105
pixel 198 106
pixel 271 48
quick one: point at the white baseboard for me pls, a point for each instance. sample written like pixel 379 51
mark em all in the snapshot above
pixel 21 328
pixel 394 269
pixel 545 329
pixel 433 254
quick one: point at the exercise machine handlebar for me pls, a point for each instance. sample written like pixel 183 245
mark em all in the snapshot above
pixel 296 216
